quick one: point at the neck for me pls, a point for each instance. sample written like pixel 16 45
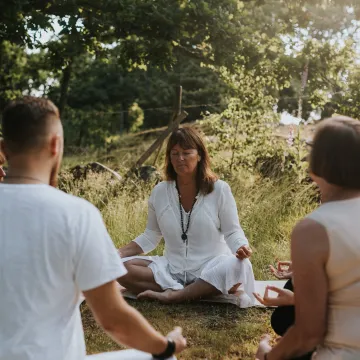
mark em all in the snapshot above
pixel 187 180
pixel 339 194
pixel 27 172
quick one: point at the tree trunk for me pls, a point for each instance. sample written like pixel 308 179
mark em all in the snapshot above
pixel 65 81
pixel 304 79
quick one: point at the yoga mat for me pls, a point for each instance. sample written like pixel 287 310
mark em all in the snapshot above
pixel 241 299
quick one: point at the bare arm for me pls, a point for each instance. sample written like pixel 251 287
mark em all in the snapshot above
pixel 309 252
pixel 131 249
pixel 124 324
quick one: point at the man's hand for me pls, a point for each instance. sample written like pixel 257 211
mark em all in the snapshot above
pixel 283 271
pixel 285 297
pixel 180 341
pixel 243 252
pixel 264 347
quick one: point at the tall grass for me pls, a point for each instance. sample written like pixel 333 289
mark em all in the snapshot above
pixel 268 210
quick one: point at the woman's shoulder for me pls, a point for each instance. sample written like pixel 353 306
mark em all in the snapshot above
pixel 162 186
pixel 220 186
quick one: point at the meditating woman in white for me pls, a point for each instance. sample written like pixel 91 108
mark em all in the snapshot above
pixel 206 251
pixel 325 254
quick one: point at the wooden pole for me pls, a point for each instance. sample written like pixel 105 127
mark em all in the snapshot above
pixel 174 115
pixel 177 103
pixel 159 141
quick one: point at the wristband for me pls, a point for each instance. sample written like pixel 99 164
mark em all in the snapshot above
pixel 169 351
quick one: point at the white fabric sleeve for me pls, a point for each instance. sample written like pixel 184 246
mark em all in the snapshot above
pixel 150 238
pixel 229 220
pixel 96 260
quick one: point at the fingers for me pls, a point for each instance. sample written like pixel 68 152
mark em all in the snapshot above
pixel 275 272
pixel 267 300
pixel 244 252
pixel 266 294
pixel 259 298
pixel 180 341
pixel 282 264
pixel 266 337
pixel 177 331
pixel 275 289
pixel 247 250
pixel 234 288
pixel 240 254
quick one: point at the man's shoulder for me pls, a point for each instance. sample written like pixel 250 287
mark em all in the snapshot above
pixel 64 201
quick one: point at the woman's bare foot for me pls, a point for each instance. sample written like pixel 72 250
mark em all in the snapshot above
pixel 234 289
pixel 165 297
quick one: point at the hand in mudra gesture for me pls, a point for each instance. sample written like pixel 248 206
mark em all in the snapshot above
pixel 284 270
pixel 285 297
pixel 243 252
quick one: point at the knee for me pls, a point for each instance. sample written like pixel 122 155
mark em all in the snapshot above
pixel 128 276
pixel 234 263
pixel 128 264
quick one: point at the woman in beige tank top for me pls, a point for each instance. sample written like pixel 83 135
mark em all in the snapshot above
pixel 325 252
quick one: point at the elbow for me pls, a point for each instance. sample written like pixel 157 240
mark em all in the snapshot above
pixel 116 330
pixel 115 323
pixel 310 340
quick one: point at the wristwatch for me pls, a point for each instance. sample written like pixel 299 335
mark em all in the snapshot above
pixel 169 351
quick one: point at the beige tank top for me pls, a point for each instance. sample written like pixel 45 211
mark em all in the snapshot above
pixel 341 220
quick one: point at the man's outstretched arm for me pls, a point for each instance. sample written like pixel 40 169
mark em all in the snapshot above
pixel 125 324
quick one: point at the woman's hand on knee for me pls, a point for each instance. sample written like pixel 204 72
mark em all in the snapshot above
pixel 244 252
pixel 285 297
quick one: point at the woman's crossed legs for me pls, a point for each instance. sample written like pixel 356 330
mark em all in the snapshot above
pixel 226 275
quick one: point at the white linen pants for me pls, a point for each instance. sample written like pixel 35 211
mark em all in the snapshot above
pixel 222 272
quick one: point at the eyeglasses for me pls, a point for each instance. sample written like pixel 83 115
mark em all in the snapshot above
pixel 184 155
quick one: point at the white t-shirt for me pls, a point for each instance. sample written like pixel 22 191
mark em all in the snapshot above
pixel 53 246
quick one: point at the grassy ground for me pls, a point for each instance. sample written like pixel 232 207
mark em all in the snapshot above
pixel 268 210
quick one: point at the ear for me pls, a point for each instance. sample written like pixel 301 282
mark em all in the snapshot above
pixel 199 158
pixel 55 145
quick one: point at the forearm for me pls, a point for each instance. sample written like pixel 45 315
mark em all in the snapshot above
pixel 292 345
pixel 131 249
pixel 133 330
pixel 235 243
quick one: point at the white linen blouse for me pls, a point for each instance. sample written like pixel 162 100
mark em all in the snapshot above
pixel 214 227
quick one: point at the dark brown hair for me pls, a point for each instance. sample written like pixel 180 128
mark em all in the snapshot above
pixel 335 153
pixel 25 122
pixel 189 138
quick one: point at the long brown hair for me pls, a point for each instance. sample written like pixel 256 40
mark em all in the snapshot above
pixel 189 138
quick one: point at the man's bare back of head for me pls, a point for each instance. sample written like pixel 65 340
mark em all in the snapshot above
pixel 32 140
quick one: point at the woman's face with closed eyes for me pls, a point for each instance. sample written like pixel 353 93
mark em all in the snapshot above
pixel 184 161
